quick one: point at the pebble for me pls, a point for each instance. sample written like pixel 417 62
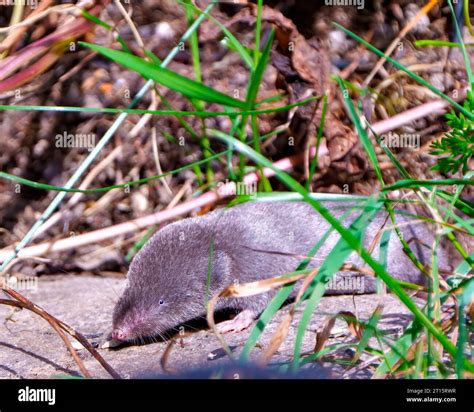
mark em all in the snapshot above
pixel 164 31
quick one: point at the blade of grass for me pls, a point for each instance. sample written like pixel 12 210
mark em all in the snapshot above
pixel 258 30
pixel 231 114
pixel 269 99
pixel 466 298
pixel 241 50
pixel 45 186
pixel 467 61
pixel 369 148
pixel 257 75
pixel 139 244
pixel 383 257
pixel 91 157
pixel 264 183
pixel 463 206
pixel 166 77
pixel 467 17
pixel 327 270
pixel 352 242
pixel 194 42
pixel 370 330
pixel 406 184
pixel 322 197
pixel 105 25
pixel 413 75
pixel 438 43
pixel 199 105
pixel 252 91
pixel 314 162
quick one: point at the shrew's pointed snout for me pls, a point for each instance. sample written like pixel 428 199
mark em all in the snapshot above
pixel 120 334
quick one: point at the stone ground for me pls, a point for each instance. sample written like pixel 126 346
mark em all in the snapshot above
pixel 29 347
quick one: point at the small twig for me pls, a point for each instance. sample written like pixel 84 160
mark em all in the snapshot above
pixel 348 373
pixel 167 352
pixel 34 17
pixel 59 326
pixel 283 328
pixel 154 143
pixel 131 24
pixel 16 33
pixel 412 23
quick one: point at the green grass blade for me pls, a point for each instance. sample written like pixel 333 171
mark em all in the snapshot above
pixel 270 99
pixel 139 244
pixel 105 25
pixel 398 350
pixel 352 242
pixel 314 161
pixel 258 31
pixel 278 300
pixel 113 110
pixel 464 206
pixel 252 91
pixel 383 256
pixel 321 197
pixel 467 60
pixel 166 77
pixel 370 330
pixel 467 17
pixel 44 186
pixel 436 43
pixel 413 75
pixel 241 50
pixel 465 299
pixel 327 270
pixel 390 155
pixel 96 20
pixel 257 75
pixel 194 42
pixel 369 148
pixel 406 184
pixel 153 57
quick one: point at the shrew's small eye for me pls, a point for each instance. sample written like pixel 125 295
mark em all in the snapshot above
pixel 161 301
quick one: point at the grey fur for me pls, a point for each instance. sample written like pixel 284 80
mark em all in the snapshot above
pixel 251 241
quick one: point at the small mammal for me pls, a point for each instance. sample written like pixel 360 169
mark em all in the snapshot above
pixel 168 278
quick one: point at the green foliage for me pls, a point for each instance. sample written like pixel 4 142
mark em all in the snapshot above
pixel 457 146
pixel 166 77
